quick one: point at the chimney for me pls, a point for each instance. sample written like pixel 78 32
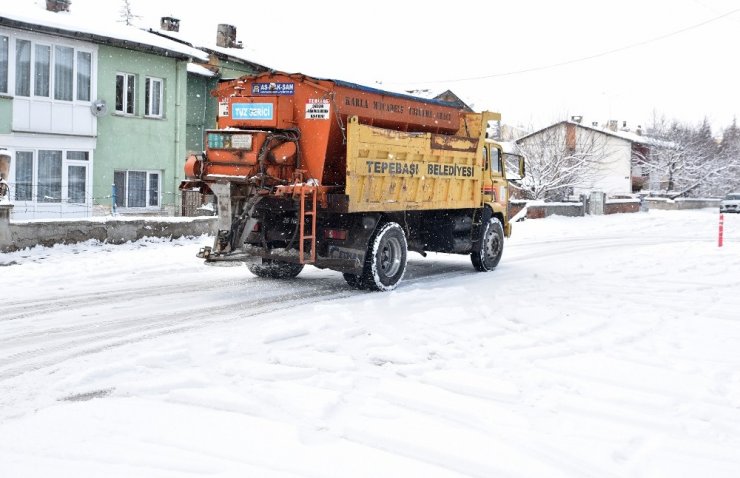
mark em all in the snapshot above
pixel 58 5
pixel 612 125
pixel 226 36
pixel 639 130
pixel 595 124
pixel 576 119
pixel 169 24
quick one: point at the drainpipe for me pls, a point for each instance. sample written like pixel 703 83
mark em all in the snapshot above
pixel 178 114
pixel 203 119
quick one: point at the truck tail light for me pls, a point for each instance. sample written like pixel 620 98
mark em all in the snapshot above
pixel 338 234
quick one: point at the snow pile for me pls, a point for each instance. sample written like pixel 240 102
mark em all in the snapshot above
pixel 601 346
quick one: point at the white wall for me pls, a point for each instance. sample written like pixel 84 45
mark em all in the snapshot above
pixel 613 173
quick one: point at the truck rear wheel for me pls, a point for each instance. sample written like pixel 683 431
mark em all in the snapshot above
pixel 489 248
pixel 354 281
pixel 386 259
pixel 272 269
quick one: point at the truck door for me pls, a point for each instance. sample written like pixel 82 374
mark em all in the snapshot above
pixel 498 178
pixel 494 182
pixel 488 193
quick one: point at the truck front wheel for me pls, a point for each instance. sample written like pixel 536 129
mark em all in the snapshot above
pixel 490 246
pixel 271 269
pixel 385 264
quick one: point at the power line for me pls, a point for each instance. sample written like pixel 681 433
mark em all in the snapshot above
pixel 583 58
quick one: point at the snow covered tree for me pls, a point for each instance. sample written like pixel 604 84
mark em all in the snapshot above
pixel 126 13
pixel 730 138
pixel 729 154
pixel 562 158
pixel 686 160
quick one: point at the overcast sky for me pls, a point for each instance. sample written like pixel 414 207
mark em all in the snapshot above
pixel 676 57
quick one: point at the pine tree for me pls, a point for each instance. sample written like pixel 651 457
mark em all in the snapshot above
pixel 729 155
pixel 730 138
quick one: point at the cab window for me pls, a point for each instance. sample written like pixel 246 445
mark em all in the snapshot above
pixel 485 158
pixel 495 161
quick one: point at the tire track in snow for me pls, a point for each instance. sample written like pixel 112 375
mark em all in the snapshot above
pixel 21 310
pixel 69 343
pixel 62 343
pixel 50 345
pixel 578 244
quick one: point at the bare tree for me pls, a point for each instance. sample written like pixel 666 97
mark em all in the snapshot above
pixel 562 158
pixel 686 160
pixel 126 13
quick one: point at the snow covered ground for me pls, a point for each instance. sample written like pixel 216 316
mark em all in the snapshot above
pixel 601 347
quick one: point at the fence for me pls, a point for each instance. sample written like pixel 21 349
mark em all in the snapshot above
pixel 680 203
pixel 541 209
pixel 61 205
pixel 20 235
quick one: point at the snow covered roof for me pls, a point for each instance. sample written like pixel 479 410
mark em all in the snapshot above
pixel 625 135
pixel 238 54
pixel 67 24
pixel 509 147
pixel 447 96
pixel 201 70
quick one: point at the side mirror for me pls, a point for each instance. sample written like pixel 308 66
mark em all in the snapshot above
pixel 522 169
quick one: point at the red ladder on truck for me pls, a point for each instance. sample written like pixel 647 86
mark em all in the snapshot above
pixel 311 192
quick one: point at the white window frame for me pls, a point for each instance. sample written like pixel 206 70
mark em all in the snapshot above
pixel 148 191
pixel 73 73
pixel 149 97
pixel 31 69
pixel 76 92
pixel 13 172
pixel 50 86
pixel 66 163
pixel 7 71
pixel 70 162
pixel 125 99
pixel 51 43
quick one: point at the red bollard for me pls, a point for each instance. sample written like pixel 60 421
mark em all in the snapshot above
pixel 721 228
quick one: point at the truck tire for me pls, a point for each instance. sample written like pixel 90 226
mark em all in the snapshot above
pixel 272 269
pixel 488 249
pixel 354 281
pixel 385 264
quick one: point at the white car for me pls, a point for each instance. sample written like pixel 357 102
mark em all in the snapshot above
pixel 731 203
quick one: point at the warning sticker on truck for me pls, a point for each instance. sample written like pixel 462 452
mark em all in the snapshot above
pixel 317 110
pixel 251 111
pixel 223 108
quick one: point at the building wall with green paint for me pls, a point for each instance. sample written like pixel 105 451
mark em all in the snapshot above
pixel 231 69
pixel 202 107
pixel 6 114
pixel 137 142
pixel 201 111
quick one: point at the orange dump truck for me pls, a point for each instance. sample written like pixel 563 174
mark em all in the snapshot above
pixel 350 178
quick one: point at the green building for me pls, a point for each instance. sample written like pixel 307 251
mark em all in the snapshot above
pixel 102 115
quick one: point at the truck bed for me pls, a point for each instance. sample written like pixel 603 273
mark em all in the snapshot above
pixel 390 170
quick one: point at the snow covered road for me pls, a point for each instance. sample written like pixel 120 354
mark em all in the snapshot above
pixel 601 346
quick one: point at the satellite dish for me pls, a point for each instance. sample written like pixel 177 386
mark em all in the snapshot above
pixel 99 108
